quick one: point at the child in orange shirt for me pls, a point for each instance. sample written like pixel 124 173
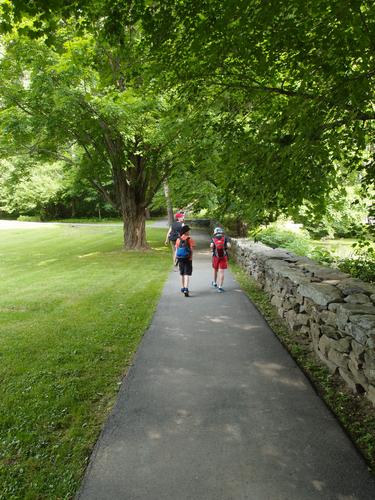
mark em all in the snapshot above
pixel 184 256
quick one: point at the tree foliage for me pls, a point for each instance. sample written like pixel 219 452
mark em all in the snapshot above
pixel 295 84
pixel 272 101
pixel 84 101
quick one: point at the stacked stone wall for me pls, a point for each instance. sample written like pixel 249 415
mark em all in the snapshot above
pixel 335 312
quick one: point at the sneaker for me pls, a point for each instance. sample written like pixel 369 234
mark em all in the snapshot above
pixel 183 290
pixel 220 289
pixel 186 292
pixel 213 284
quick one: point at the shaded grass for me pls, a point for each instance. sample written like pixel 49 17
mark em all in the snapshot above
pixel 355 413
pixel 73 308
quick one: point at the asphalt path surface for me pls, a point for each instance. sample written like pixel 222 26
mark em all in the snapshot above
pixel 214 408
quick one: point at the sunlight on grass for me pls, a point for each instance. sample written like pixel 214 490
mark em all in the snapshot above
pixel 73 308
pixel 341 247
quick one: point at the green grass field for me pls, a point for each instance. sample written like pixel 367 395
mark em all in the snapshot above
pixel 341 247
pixel 73 308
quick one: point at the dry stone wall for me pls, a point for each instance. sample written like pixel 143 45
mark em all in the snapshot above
pixel 335 312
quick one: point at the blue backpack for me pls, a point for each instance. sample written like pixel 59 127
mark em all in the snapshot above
pixel 183 250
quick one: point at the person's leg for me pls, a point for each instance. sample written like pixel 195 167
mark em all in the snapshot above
pixel 182 271
pixel 173 251
pixel 220 278
pixel 215 277
pixel 214 282
pixel 188 273
pixel 222 266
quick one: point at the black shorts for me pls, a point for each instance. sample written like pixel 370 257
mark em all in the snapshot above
pixel 186 267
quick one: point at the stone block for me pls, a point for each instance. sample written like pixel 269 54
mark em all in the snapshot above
pixel 330 331
pixel 329 318
pixel 283 269
pixel 342 345
pixel 320 293
pixel 370 394
pixel 353 285
pixel 307 305
pixel 369 357
pixel 358 375
pixel 302 319
pixel 277 267
pixel 289 304
pixel 291 319
pixel 305 330
pixel 315 333
pixel 324 273
pixel 354 361
pixel 357 298
pixel 283 292
pixel 369 373
pixel 331 366
pixel 344 311
pixel 338 358
pixel 281 312
pixel 331 282
pixel 371 341
pixel 348 378
pixel 326 343
pixel 360 335
pixel 372 297
pixel 276 301
pixel 315 315
pixel 364 321
pixel 358 349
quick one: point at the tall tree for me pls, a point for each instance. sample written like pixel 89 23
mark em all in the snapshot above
pixel 85 102
pixel 292 86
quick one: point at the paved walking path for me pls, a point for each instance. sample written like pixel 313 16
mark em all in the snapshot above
pixel 214 408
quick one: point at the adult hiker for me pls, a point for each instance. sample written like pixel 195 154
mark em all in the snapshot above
pixel 219 245
pixel 174 233
pixel 184 256
pixel 180 215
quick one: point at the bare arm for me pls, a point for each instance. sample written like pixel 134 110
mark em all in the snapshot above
pixel 167 237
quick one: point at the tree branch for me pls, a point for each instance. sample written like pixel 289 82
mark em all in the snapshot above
pixel 96 184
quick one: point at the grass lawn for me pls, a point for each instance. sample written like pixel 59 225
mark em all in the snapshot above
pixel 342 247
pixel 89 220
pixel 73 308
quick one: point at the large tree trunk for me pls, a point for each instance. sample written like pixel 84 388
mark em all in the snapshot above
pixel 169 202
pixel 135 231
pixel 131 196
pixel 134 216
pixel 134 186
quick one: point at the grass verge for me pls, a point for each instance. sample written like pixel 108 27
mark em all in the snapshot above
pixel 73 308
pixel 356 414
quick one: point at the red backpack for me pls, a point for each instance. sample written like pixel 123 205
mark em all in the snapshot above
pixel 219 249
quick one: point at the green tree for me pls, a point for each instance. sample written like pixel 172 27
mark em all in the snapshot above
pixel 85 103
pixel 293 86
pixel 283 90
pixel 29 188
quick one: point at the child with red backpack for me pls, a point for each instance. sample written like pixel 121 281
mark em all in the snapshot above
pixel 219 245
pixel 184 257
